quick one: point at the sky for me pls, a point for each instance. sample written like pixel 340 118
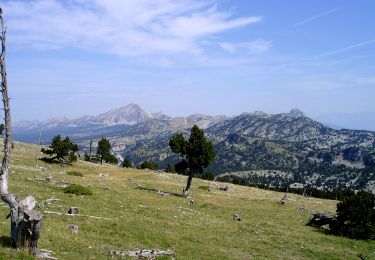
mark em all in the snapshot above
pixel 84 57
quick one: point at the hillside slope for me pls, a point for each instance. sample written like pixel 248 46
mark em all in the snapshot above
pixel 139 216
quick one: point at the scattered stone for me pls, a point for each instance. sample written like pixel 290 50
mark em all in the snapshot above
pixel 161 193
pixel 73 210
pixel 103 175
pixel 321 219
pixel 191 202
pixel 224 187
pixel 49 178
pixel 73 228
pixel 61 172
pixel 209 187
pixel 107 188
pixel 236 217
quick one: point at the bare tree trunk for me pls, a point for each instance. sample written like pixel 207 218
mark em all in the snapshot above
pixel 7 128
pixel 90 150
pixel 186 191
pixel 25 223
pixel 38 150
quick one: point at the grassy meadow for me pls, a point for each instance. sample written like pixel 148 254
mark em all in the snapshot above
pixel 141 216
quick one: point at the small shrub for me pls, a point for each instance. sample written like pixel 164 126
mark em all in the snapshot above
pixel 127 163
pixel 77 190
pixel 149 165
pixel 79 174
pixel 204 187
pixel 170 168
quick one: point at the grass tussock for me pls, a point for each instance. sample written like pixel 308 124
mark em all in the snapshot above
pixel 75 173
pixel 77 190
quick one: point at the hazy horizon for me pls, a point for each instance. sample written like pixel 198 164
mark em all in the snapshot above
pixel 85 57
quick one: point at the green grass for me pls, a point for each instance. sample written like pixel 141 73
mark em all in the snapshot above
pixel 74 173
pixel 139 217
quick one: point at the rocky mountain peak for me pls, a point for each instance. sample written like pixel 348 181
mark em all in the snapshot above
pixel 296 112
pixel 130 114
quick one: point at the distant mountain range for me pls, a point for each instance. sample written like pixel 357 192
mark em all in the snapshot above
pixel 272 149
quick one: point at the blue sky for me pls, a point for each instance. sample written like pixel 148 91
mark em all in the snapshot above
pixel 78 57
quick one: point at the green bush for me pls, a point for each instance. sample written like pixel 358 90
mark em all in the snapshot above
pixel 203 187
pixel 127 163
pixel 170 168
pixel 77 190
pixel 355 216
pixel 149 165
pixel 73 173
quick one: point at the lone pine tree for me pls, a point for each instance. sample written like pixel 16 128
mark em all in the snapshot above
pixel 198 151
pixel 104 152
pixel 61 149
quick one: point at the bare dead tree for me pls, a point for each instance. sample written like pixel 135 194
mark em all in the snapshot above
pixel 90 150
pixel 25 222
pixel 37 149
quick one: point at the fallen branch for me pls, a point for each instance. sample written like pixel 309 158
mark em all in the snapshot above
pixel 74 215
pixel 49 179
pixel 43 203
pixel 142 253
pixel 45 254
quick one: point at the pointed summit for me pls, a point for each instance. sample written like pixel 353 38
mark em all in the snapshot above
pixel 296 112
pixel 129 114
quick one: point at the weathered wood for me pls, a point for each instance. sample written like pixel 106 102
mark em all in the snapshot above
pixel 43 203
pixel 186 190
pixel 285 197
pixel 44 254
pixel 90 150
pixel 7 126
pixel 142 253
pixel 73 215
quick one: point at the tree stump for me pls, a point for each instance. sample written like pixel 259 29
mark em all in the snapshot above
pixel 25 222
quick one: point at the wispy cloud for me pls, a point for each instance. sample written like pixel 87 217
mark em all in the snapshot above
pixel 347 48
pixel 253 47
pixel 132 28
pixel 316 17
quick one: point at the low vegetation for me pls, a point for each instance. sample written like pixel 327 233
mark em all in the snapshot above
pixel 74 173
pixel 77 190
pixel 149 165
